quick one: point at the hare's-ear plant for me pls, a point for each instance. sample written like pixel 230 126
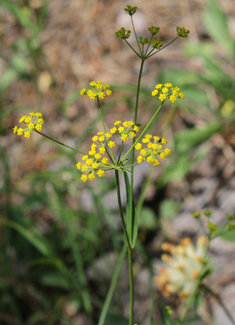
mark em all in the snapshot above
pixel 101 157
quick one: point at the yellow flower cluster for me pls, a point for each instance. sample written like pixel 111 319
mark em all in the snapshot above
pixel 99 90
pixel 31 125
pixel 184 267
pixel 94 159
pixel 153 149
pixel 167 91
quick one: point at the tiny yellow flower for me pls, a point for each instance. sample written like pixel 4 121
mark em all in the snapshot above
pixel 97 156
pixel 126 124
pixel 156 138
pixel 154 92
pixel 174 91
pixel 93 146
pixel 165 90
pixel 95 138
pixel 99 81
pixel 156 163
pixel 111 144
pixel 15 129
pixel 92 152
pixel 158 86
pixel 108 135
pixel 102 150
pixel 89 161
pixel 139 159
pixel 143 152
pixel 163 155
pixel 84 168
pixel 22 119
pixel 32 114
pixel 27 119
pixel 138 146
pixel 132 134
pixel 20 131
pixel 145 140
pixel 148 136
pixel 100 173
pixel 38 114
pixel 181 95
pixel 117 123
pixel 79 165
pixel 98 86
pixel 100 133
pixel 121 129
pixel 92 83
pixel 105 161
pixel 124 137
pixel 172 98
pixel 136 128
pixel 101 139
pixel 82 92
pixel 162 97
pixel 109 92
pixel 150 159
pixel 107 85
pixel 27 134
pixel 31 126
pixel 150 145
pixel 95 165
pixel 164 141
pixel 38 127
pixel 40 121
pixel 168 84
pixel 113 130
pixel 84 178
pixel 168 151
pixel 85 157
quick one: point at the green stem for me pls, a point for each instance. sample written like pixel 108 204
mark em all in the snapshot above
pixel 112 286
pixel 131 286
pixel 102 118
pixel 148 46
pixel 143 130
pixel 132 48
pixel 120 153
pixel 121 210
pixel 135 33
pixel 62 144
pixel 148 56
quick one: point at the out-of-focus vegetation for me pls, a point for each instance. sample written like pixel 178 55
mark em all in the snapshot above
pixel 50 239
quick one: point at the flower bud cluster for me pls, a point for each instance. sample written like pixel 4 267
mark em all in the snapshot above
pixel 167 92
pixel 143 40
pixel 130 10
pixel 182 32
pixel 230 218
pixel 126 131
pixel 123 33
pixel 31 125
pixel 99 90
pixel 157 43
pixel 153 149
pixel 184 267
pixel 154 30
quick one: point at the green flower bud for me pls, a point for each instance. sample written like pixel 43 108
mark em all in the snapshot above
pixel 231 226
pixel 157 44
pixel 196 215
pixel 130 10
pixel 212 227
pixel 207 213
pixel 143 40
pixel 154 30
pixel 182 32
pixel 123 33
pixel 230 217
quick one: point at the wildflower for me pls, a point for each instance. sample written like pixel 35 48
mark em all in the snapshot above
pixel 109 92
pixel 162 97
pixel 172 98
pixel 154 30
pixel 139 159
pixel 102 150
pixel 105 161
pixel 163 155
pixel 172 93
pixel 130 10
pixel 91 176
pixel 117 122
pixel 100 173
pixel 184 267
pixel 182 32
pixel 168 151
pixel 138 146
pixel 111 144
pixel 113 130
pixel 84 178
pixel 20 131
pixel 157 44
pixel 83 91
pixel 168 84
pixel 79 165
pixel 95 138
pixel 27 134
pixel 123 33
pixel 31 125
pixel 154 92
pixel 15 129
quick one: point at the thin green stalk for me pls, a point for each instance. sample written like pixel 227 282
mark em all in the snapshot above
pixel 148 56
pixel 132 48
pixel 102 118
pixel 62 144
pixel 135 33
pixel 143 130
pixel 120 153
pixel 131 286
pixel 148 46
pixel 112 286
pixel 120 209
